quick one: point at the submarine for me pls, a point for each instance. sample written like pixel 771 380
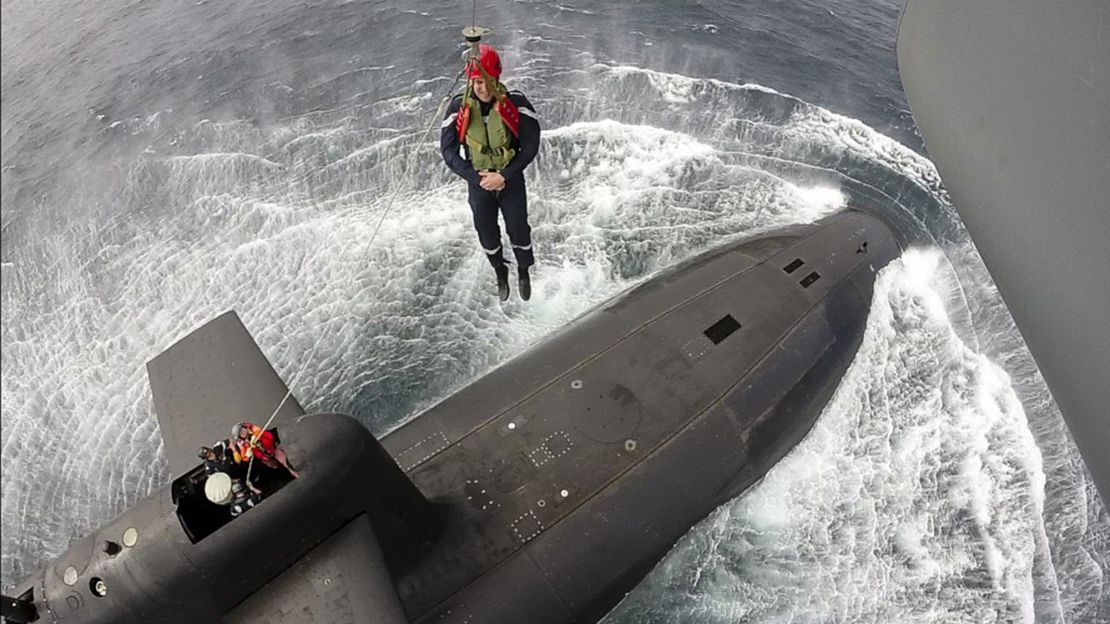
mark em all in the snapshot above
pixel 542 492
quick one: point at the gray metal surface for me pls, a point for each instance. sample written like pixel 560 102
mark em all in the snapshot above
pixel 1013 100
pixel 209 380
pixel 166 577
pixel 342 581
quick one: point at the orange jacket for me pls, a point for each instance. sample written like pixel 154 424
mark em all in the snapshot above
pixel 263 447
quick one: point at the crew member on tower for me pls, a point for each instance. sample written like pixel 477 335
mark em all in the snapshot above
pixel 250 440
pixel 488 137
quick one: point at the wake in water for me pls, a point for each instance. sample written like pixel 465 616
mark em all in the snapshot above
pixel 917 496
pixel 929 499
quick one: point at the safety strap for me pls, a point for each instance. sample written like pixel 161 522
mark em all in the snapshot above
pixel 508 111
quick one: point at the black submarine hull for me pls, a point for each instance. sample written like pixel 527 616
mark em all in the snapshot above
pixel 542 492
pixel 154 566
pixel 618 434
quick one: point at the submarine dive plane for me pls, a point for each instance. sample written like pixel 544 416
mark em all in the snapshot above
pixel 541 493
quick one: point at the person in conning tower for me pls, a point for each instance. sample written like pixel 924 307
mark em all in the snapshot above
pixel 250 440
pixel 217 458
pixel 488 137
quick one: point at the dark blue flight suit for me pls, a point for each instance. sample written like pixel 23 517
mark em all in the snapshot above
pixel 513 199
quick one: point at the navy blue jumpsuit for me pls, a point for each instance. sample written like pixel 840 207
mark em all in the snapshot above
pixel 513 199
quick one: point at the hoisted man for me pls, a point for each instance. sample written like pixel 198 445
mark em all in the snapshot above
pixel 489 136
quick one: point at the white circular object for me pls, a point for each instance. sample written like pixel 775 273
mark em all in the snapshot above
pixel 576 384
pixel 218 488
pixel 70 576
pixel 130 537
pixel 512 425
pixel 564 493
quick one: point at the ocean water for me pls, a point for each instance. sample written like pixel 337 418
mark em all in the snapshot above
pixel 163 163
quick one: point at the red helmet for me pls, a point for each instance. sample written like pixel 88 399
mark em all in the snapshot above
pixel 489 60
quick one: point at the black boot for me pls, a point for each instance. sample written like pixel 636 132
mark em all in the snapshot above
pixel 502 282
pixel 525 283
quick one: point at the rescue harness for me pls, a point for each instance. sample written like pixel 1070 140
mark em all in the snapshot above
pixel 487 138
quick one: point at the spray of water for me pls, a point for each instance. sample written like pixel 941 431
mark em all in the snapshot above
pixel 917 497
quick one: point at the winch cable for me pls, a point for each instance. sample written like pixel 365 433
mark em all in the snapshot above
pixel 412 153
pixel 473 36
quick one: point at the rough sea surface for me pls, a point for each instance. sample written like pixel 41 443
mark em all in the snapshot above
pixel 165 162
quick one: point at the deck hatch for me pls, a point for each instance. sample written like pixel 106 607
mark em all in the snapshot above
pixel 793 266
pixel 809 279
pixel 722 329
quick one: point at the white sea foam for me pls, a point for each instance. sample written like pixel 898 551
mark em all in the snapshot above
pixel 921 479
